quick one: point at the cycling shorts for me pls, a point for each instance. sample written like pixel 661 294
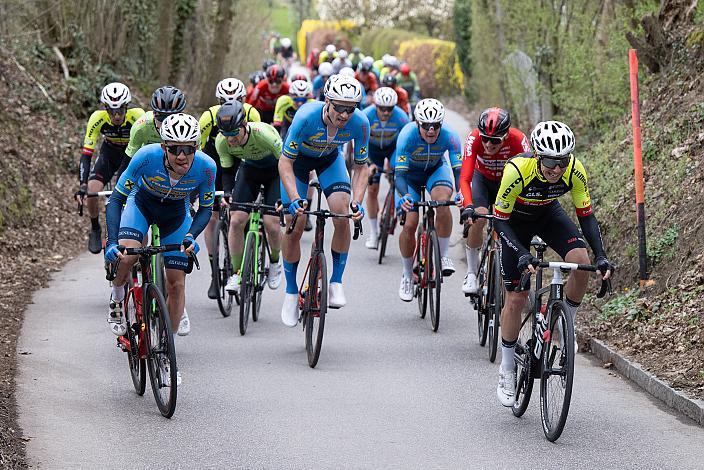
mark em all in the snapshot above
pixel 378 158
pixel 484 190
pixel 266 116
pixel 331 171
pixel 437 176
pixel 172 217
pixel 554 227
pixel 108 163
pixel 248 181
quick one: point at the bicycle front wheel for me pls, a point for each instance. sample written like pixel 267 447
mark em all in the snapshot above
pixel 246 284
pixel 262 278
pixel 482 300
pixel 386 215
pixel 557 372
pixel 524 365
pixel 161 354
pixel 222 267
pixel 138 366
pixel 420 290
pixel 494 305
pixel 316 306
pixel 434 278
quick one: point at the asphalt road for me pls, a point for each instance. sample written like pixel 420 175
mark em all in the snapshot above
pixel 387 392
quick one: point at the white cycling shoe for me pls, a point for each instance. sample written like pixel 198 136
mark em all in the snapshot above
pixel 405 290
pixel 336 296
pixel 469 286
pixel 233 284
pixel 116 318
pixel 274 280
pixel 506 390
pixel 289 310
pixel 448 267
pixel 184 326
pixel 372 241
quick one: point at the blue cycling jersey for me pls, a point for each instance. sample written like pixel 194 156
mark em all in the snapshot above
pixel 383 135
pixel 308 135
pixel 318 85
pixel 413 153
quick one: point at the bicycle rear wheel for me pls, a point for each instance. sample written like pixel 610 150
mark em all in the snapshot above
pixel 557 372
pixel 138 366
pixel 223 269
pixel 482 300
pixel 161 354
pixel 262 277
pixel 420 290
pixel 246 284
pixel 316 306
pixel 386 215
pixel 524 366
pixel 493 308
pixel 434 278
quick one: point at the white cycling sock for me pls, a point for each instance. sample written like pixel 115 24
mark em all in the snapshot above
pixel 444 243
pixel 407 267
pixel 508 362
pixel 118 293
pixel 374 225
pixel 472 259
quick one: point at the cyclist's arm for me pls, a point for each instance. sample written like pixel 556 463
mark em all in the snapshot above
pixel 125 185
pixel 279 110
pixel 136 136
pixel 252 113
pixel 469 162
pixel 227 163
pixel 206 125
pixel 95 123
pixel 585 214
pixel 511 186
pixel 206 197
pixel 454 151
pixel 360 176
pixel 294 139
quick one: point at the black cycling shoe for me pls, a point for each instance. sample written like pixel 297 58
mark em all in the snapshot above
pixel 95 242
pixel 213 290
pixel 309 225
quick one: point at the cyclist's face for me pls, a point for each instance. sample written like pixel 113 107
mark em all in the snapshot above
pixel 430 135
pixel 181 162
pixel 239 139
pixel 275 85
pixel 340 119
pixel 492 145
pixel 552 175
pixel 117 116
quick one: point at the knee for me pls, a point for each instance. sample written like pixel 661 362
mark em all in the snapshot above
pixel 95 185
pixel 341 224
pixel 515 301
pixel 410 226
pixel 577 255
pixel 175 285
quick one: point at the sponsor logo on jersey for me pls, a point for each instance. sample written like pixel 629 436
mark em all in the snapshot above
pixel 293 145
pixel 510 187
pixel 129 184
pixel 401 159
pixel 208 196
pixel 363 150
pixel 156 179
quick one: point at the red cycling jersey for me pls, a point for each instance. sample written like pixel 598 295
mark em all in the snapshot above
pixel 263 99
pixel 491 167
pixel 370 84
pixel 402 99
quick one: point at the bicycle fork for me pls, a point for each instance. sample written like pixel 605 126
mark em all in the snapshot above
pixel 542 330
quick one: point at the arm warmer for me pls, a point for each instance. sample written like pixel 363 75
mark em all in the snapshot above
pixel 84 168
pixel 113 212
pixel 590 229
pixel 401 183
pixel 228 179
pixel 456 174
pixel 200 221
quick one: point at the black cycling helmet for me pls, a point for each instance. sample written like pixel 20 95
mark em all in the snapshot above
pixel 230 116
pixel 267 63
pixel 168 100
pixel 275 72
pixel 494 122
pixel 256 77
pixel 389 80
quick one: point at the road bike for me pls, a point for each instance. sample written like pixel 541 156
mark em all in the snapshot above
pixel 546 345
pixel 489 299
pixel 149 340
pixel 388 219
pixel 313 295
pixel 427 265
pixel 222 263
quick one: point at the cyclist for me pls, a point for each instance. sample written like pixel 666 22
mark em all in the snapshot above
pixel 299 93
pixel 286 52
pixel 166 100
pixel 389 80
pixel 324 73
pixel 341 61
pixel 328 55
pixel 274 44
pixel 267 92
pixel 312 61
pixel 527 205
pixel 114 122
pixel 154 189
pixel 313 142
pixel 408 80
pixel 254 79
pixel 420 161
pixel 486 149
pixel 390 66
pixel 228 89
pixel 366 77
pixel 258 146
pixel 385 122
pixel 356 57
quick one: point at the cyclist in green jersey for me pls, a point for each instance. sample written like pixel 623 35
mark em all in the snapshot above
pixel 166 100
pixel 258 145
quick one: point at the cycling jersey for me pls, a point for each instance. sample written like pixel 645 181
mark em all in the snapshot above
pixel 262 149
pixel 326 57
pixel 414 154
pixel 263 98
pixel 285 110
pixel 318 84
pixel 143 132
pixel 286 52
pixel 339 63
pixel 209 126
pixel 383 135
pixel 99 123
pixel 402 100
pixel 409 83
pixel 490 166
pixel 370 83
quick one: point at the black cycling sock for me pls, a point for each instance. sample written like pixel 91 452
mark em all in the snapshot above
pixel 94 223
pixel 572 303
pixel 508 344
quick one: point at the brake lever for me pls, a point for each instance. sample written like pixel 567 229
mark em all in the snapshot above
pixel 292 225
pixel 357 229
pixel 605 289
pixel 524 283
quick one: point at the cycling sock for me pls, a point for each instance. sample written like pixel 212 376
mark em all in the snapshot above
pixel 236 262
pixel 290 270
pixel 572 307
pixel 374 225
pixel 508 362
pixel 118 293
pixel 407 267
pixel 94 223
pixel 444 245
pixel 338 266
pixel 274 255
pixel 472 259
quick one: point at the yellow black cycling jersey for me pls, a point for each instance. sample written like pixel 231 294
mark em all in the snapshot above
pixel 209 127
pixel 99 123
pixel 525 192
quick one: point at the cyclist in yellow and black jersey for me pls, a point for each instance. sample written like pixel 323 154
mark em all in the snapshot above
pixel 114 123
pixel 526 205
pixel 300 92
pixel 228 89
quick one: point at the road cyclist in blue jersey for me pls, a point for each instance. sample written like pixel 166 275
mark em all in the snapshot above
pixel 420 161
pixel 155 189
pixel 385 123
pixel 312 144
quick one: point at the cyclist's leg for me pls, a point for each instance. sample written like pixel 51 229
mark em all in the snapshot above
pixel 105 167
pixel 483 196
pixel 246 189
pixel 335 183
pixel 373 194
pixel 291 245
pixel 173 227
pixel 272 193
pixel 407 238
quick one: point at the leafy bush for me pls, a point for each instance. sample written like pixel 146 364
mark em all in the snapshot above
pixel 377 42
pixel 310 26
pixel 436 65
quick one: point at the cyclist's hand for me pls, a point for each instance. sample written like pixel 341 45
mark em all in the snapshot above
pixel 372 169
pixel 81 193
pixel 604 267
pixel 225 200
pixel 357 210
pixel 189 245
pixel 467 216
pixel 112 253
pixel 459 199
pixel 527 262
pixel 297 205
pixel 405 203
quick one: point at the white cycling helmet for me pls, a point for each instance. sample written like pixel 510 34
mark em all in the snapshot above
pixel 325 69
pixel 300 89
pixel 385 96
pixel 230 89
pixel 330 48
pixel 342 54
pixel 429 110
pixel 393 61
pixel 385 59
pixel 552 139
pixel 115 95
pixel 347 71
pixel 286 43
pixel 180 127
pixel 343 88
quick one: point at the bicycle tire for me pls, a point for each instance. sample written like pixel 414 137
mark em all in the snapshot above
pixel 316 299
pixel 159 274
pixel 262 278
pixel 160 350
pixel 493 308
pixel 482 300
pixel 138 365
pixel 223 269
pixel 246 284
pixel 385 226
pixel 524 366
pixel 434 285
pixel 560 346
pixel 420 292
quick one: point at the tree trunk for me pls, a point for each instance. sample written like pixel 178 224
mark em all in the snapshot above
pixel 218 51
pixel 164 39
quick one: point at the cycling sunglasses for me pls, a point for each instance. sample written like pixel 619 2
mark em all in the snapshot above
pixel 275 82
pixel 177 149
pixel 385 109
pixel 116 111
pixel 492 140
pixel 434 125
pixel 233 133
pixel 551 163
pixel 341 108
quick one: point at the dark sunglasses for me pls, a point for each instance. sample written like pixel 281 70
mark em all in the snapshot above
pixel 233 133
pixel 551 163
pixel 434 125
pixel 341 108
pixel 385 109
pixel 492 140
pixel 177 149
pixel 275 82
pixel 116 111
